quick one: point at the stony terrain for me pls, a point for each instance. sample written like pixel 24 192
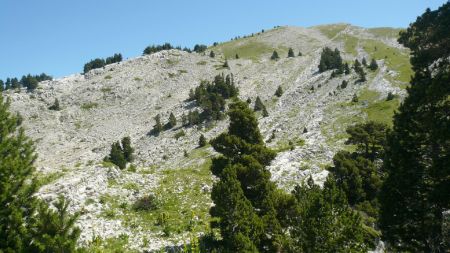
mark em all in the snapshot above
pixel 122 99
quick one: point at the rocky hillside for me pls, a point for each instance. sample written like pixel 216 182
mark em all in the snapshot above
pixel 121 99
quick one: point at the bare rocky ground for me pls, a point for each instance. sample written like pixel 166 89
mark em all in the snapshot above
pixel 121 99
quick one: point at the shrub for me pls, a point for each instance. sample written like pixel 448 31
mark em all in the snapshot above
pixel 146 203
pixel 274 56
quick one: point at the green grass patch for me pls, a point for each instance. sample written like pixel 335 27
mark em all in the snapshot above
pixel 45 179
pixel 108 77
pixel 382 111
pixel 350 43
pixel 201 63
pixel 396 59
pixel 89 106
pixel 137 79
pixel 285 145
pixel 246 49
pixel 331 30
pixel 106 89
pixel 384 32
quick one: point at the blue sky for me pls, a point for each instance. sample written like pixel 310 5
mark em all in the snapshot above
pixel 58 36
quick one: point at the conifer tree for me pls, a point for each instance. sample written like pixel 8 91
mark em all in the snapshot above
pixel 346 69
pixel 373 65
pixel 355 98
pixel 274 56
pixel 323 222
pixel 279 91
pixel 225 64
pixel 2 85
pixel 364 62
pixel 416 193
pixel 202 141
pixel 244 178
pixel 172 121
pixel 344 84
pixel 291 52
pixel 55 231
pixel 299 53
pixel 212 54
pixel 116 156
pixel 158 127
pixel 19 215
pixel 237 56
pixel 127 149
pixel 17 203
pixel 259 106
pixel 55 106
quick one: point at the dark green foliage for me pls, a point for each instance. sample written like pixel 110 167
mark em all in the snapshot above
pixel 248 101
pixel 200 48
pixel 362 76
pixel 113 59
pixel 194 118
pixel 244 196
pixel 369 138
pixel 212 54
pixel 364 62
pixel 355 98
pixel 116 156
pixel 27 225
pixel 100 63
pixel 55 106
pixel 172 122
pixel 55 230
pixel 127 149
pixel 2 85
pixel 344 84
pixel 16 194
pixel 346 69
pixel 291 52
pixel 330 59
pixel 357 66
pixel 8 83
pixel 322 221
pixel 202 141
pixel 15 84
pixel 237 56
pixel 158 127
pixel 373 65
pixel 279 91
pixel 299 53
pixel 416 192
pixel 225 64
pixel 156 48
pixel 259 106
pixel 146 203
pixel 211 98
pixel 274 56
pixel 390 96
pixel 265 113
pixel 31 82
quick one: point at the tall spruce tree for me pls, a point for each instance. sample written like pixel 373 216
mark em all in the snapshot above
pixel 291 52
pixel 22 223
pixel 241 168
pixel 416 193
pixel 127 149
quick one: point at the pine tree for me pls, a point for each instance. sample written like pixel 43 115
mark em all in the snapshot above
pixel 225 64
pixel 2 85
pixel 212 54
pixel 243 176
pixel 323 222
pixel 344 84
pixel 237 56
pixel 20 216
pixel 8 83
pixel 274 56
pixel 364 62
pixel 291 52
pixel 279 91
pixel 362 76
pixel 416 192
pixel 259 106
pixel 127 150
pixel 355 98
pixel 346 69
pixel 16 193
pixel 55 231
pixel 202 141
pixel 116 156
pixel 369 138
pixel 373 65
pixel 299 53
pixel 172 122
pixel 330 59
pixel 158 127
pixel 265 113
pixel 55 106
